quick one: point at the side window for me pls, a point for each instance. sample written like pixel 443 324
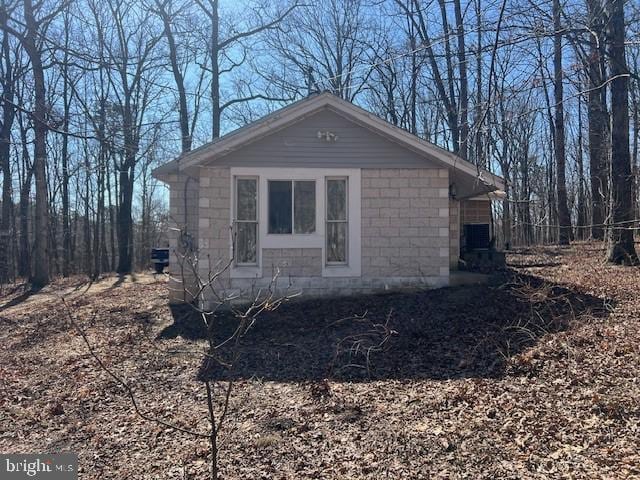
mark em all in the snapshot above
pixel 246 221
pixel 292 206
pixel 337 220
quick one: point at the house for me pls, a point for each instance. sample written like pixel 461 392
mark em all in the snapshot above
pixel 337 199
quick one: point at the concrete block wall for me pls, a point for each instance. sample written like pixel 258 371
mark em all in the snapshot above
pixel 454 233
pixel 406 235
pixel 214 222
pixel 182 235
pixel 292 262
pixel 405 224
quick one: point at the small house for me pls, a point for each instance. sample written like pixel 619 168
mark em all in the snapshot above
pixel 334 198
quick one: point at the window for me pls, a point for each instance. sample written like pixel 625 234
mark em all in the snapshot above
pixel 337 220
pixel 246 221
pixel 292 206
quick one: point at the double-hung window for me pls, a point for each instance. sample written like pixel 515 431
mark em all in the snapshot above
pixel 292 206
pixel 337 220
pixel 246 221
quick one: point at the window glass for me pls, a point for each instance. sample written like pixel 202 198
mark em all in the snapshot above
pixel 246 205
pixel 246 242
pixel 337 199
pixel 246 221
pixel 336 242
pixel 304 203
pixel 280 207
pixel 337 223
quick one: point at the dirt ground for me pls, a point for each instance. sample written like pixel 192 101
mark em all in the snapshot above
pixel 534 375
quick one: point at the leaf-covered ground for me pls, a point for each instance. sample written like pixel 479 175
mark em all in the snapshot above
pixel 535 375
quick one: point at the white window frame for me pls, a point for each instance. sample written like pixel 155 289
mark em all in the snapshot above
pixel 310 240
pixel 293 204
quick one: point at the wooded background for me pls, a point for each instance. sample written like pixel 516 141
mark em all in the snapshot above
pixel 96 93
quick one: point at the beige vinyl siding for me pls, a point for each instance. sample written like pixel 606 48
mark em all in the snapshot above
pixel 298 145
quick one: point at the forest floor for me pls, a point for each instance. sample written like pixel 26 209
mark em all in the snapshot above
pixel 534 375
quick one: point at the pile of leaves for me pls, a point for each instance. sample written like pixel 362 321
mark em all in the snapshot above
pixel 533 375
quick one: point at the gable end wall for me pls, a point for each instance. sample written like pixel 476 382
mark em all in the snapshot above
pixel 298 146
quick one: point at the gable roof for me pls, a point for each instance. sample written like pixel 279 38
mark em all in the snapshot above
pixel 310 105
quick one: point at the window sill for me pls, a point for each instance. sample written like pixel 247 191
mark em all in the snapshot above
pixel 343 270
pixel 281 235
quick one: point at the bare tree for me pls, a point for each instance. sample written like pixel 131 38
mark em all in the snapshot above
pixel 25 179
pixel 564 218
pixel 455 104
pixel 217 51
pixel 621 246
pixel 598 120
pixel 32 38
pixel 213 304
pixel 130 55
pixel 7 81
pixel 325 47
pixel 164 9
pixel 66 105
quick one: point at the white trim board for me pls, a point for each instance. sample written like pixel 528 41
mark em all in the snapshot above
pixel 313 240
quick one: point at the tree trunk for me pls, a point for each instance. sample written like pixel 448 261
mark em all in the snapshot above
pixel 464 86
pixel 417 17
pixel 112 222
pixel 525 194
pixel 24 263
pixel 413 125
pixel 215 70
pixel 41 266
pixel 178 77
pixel 634 156
pixel 564 218
pixel 126 184
pixel 87 216
pixel 597 115
pixel 582 207
pixel 97 237
pixel 125 222
pixel 8 115
pixel 66 234
pixel 455 132
pixel 479 154
pixel 621 247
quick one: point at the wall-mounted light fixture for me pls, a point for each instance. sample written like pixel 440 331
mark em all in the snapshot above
pixel 453 190
pixel 327 136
